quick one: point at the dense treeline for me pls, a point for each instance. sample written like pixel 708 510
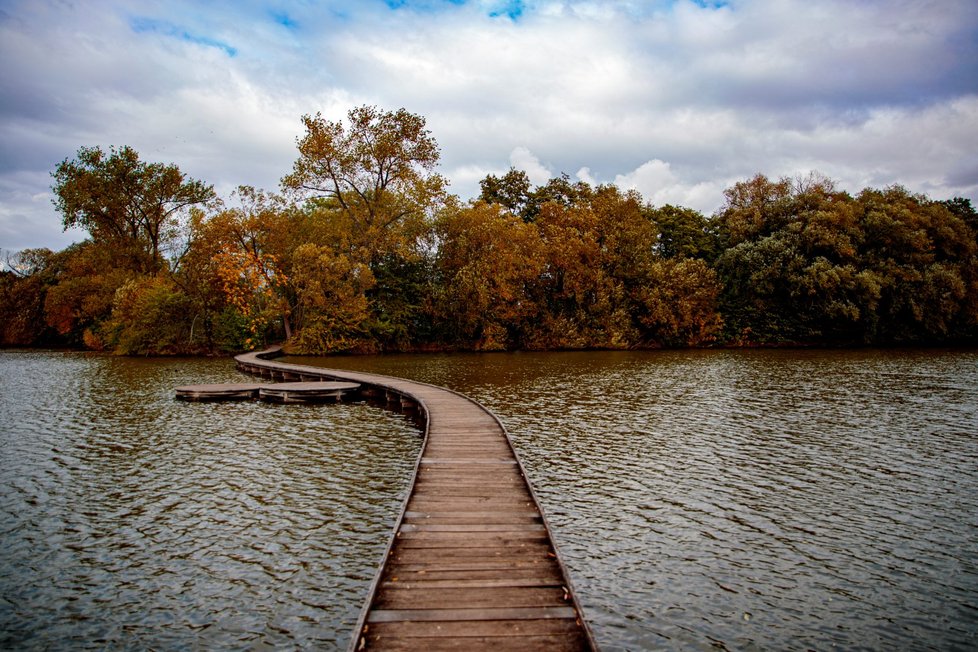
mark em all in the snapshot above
pixel 365 250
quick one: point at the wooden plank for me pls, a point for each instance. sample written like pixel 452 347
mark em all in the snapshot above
pixel 465 462
pixel 474 527
pixel 441 598
pixel 449 615
pixel 516 540
pixel 473 538
pixel 477 566
pixel 486 569
pixel 527 643
pixel 469 584
pixel 469 629
pixel 431 490
pixel 474 518
pixel 446 556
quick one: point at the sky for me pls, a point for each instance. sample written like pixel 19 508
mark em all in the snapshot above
pixel 678 99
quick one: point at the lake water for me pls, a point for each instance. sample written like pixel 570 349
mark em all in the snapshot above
pixel 130 520
pixel 701 499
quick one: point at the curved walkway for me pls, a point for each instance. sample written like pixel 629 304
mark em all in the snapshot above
pixel 471 563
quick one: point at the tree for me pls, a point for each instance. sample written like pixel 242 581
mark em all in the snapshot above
pixel 132 206
pixel 488 262
pixel 150 316
pixel 23 289
pixel 250 246
pixel 754 209
pixel 679 304
pixel 683 233
pixel 332 304
pixel 378 171
pixel 511 191
pixel 81 295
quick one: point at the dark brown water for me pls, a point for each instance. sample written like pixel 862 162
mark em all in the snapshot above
pixel 703 500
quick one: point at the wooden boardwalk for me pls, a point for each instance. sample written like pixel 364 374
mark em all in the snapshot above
pixel 471 564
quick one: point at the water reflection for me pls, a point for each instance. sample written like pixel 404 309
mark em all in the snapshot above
pixel 131 520
pixel 749 499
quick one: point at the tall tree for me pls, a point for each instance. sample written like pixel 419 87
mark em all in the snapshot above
pixel 489 261
pixel 126 203
pixel 379 171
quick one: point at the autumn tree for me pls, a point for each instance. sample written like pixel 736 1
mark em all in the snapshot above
pixel 374 178
pixel 378 170
pixel 489 263
pixel 808 263
pixel 678 305
pixel 922 254
pixel 248 249
pixel 331 303
pixel 23 289
pixel 132 206
pixel 79 301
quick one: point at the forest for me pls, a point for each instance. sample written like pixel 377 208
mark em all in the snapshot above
pixel 363 249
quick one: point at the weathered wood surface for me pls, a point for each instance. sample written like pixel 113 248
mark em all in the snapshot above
pixel 218 392
pixel 471 564
pixel 306 392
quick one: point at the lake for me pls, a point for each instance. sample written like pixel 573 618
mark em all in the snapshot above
pixel 701 499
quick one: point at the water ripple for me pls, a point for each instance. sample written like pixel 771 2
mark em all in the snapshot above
pixel 130 520
pixel 749 499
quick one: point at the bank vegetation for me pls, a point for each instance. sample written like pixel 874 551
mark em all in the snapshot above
pixel 364 250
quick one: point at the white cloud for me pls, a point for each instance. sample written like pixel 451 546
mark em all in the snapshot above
pixel 659 184
pixel 523 159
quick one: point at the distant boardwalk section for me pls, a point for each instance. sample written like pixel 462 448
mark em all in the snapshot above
pixel 471 563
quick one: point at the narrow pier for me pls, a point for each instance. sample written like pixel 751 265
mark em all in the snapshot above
pixel 471 564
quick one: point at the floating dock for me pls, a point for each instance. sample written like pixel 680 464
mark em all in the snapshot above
pixel 219 392
pixel 306 392
pixel 471 564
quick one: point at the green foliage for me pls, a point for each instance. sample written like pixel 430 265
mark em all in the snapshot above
pixel 126 203
pixel 399 302
pixel 810 264
pixel 684 233
pixel 231 332
pixel 149 317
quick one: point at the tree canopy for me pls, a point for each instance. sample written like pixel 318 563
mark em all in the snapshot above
pixel 130 204
pixel 365 250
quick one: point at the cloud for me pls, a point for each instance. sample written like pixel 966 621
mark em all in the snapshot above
pixel 675 98
pixel 523 159
pixel 660 185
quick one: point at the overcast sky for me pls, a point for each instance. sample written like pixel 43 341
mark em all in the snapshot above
pixel 679 99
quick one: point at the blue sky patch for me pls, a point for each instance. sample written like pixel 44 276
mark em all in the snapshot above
pixel 154 26
pixel 511 8
pixel 285 20
pixel 422 5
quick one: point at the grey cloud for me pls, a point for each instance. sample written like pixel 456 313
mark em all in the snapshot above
pixel 662 93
